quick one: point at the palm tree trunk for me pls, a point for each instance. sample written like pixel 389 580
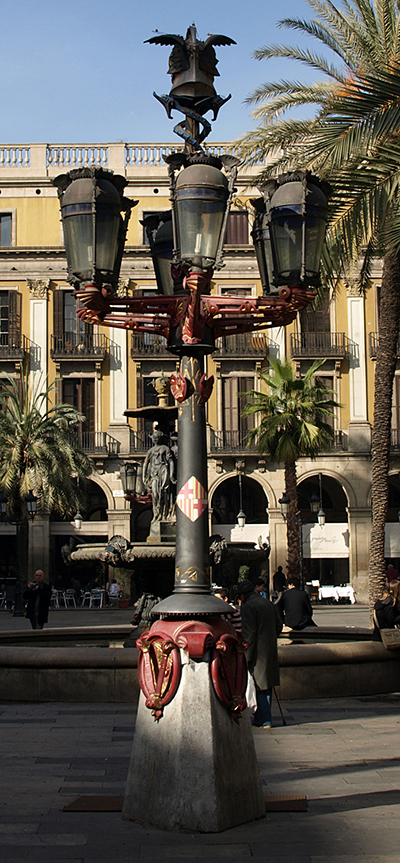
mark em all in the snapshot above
pixel 292 524
pixel 389 316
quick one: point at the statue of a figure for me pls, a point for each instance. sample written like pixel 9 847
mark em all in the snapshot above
pixel 159 476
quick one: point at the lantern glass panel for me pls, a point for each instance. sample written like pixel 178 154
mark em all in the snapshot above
pixel 287 236
pixel 78 237
pixel 315 235
pixel 107 226
pixel 200 223
pixel 164 265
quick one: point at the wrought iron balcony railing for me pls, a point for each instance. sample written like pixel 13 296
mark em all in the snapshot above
pixel 242 345
pixel 96 443
pixel 140 442
pixel 87 346
pixel 148 344
pixel 13 347
pixel 314 345
pixel 338 443
pixel 374 345
pixel 230 441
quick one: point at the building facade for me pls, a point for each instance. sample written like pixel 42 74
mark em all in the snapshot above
pixel 103 372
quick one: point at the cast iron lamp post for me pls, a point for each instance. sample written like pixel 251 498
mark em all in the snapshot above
pixel 186 249
pixel 316 503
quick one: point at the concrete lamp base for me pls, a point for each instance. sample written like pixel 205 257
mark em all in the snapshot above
pixel 195 769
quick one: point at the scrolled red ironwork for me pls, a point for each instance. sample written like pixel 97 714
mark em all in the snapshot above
pixel 159 665
pixel 159 670
pixel 229 673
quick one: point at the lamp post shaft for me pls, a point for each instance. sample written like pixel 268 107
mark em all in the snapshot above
pixel 18 612
pixel 192 572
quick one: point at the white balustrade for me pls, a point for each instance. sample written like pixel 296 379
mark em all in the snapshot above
pixel 15 156
pixel 77 156
pixel 45 159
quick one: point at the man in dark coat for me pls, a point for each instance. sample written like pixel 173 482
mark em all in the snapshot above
pixel 38 594
pixel 296 606
pixel 260 627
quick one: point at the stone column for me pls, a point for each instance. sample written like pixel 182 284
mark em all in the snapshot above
pixel 38 334
pixel 360 532
pixel 359 428
pixel 118 426
pixel 278 541
pixel 39 546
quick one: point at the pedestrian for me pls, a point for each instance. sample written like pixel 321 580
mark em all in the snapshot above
pixel 295 606
pixel 387 610
pixel 279 580
pixel 261 587
pixel 232 615
pixel 38 594
pixel 260 627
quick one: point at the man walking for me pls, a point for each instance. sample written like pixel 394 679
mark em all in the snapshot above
pixel 38 594
pixel 261 626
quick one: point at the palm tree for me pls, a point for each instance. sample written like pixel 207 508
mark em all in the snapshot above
pixel 295 414
pixel 352 139
pixel 39 452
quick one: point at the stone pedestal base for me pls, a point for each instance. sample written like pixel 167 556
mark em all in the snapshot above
pixel 162 531
pixel 195 769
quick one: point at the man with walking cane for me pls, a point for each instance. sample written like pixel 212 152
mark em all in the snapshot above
pixel 261 626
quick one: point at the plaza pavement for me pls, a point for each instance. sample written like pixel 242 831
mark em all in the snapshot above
pixel 343 754
pixel 324 615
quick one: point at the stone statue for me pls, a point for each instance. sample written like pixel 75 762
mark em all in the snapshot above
pixel 159 476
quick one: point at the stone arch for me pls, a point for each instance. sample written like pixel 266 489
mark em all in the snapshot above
pixel 344 483
pixel 96 478
pixel 225 500
pixel 259 478
pixel 334 497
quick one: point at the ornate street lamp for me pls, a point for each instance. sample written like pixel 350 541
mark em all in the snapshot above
pixel 131 479
pixel 92 203
pixel 158 229
pixel 31 504
pixel 284 502
pixel 289 229
pixel 191 621
pixel 78 520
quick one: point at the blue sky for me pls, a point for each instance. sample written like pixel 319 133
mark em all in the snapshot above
pixel 78 71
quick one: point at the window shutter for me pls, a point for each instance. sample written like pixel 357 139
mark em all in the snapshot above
pixel 139 400
pixel 88 403
pixel 58 391
pixel 14 318
pixel 230 404
pixel 237 230
pixel 244 386
pixel 58 313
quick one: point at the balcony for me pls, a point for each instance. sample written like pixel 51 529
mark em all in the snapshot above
pixel 99 443
pixel 310 346
pixel 88 346
pixel 148 345
pixel 338 443
pixel 374 345
pixel 140 442
pixel 230 442
pixel 13 347
pixel 243 345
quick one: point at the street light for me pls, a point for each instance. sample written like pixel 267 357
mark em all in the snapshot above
pixel 31 504
pixel 91 201
pixel 289 229
pixel 78 520
pixel 201 190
